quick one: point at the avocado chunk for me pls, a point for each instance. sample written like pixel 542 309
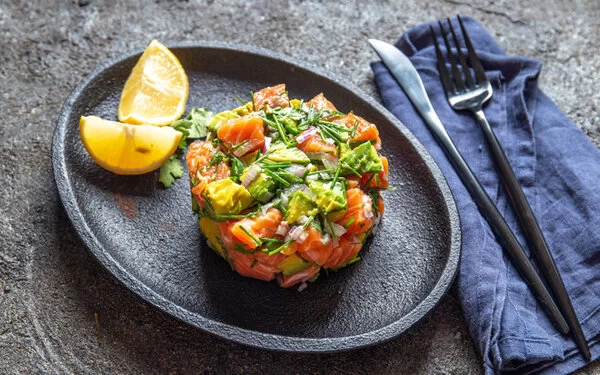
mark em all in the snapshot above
pixel 250 158
pixel 300 204
pixel 290 125
pixel 225 197
pixel 351 261
pixel 292 264
pixel 211 232
pixel 343 150
pixel 262 188
pixel 216 121
pixel 328 198
pixel 362 159
pixel 295 103
pixel 280 153
pixel 244 109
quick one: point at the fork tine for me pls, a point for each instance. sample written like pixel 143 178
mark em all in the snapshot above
pixel 444 73
pixel 475 62
pixel 461 57
pixel 460 85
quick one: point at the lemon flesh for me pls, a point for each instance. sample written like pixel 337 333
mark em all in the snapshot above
pixel 157 89
pixel 127 149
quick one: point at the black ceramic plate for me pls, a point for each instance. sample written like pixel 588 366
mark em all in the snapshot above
pixel 148 238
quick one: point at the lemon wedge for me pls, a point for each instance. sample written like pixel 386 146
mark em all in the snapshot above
pixel 157 89
pixel 127 149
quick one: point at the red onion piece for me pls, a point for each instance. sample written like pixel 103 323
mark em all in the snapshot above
pixel 294 233
pixel 325 239
pixel 338 230
pixel 302 237
pixel 330 161
pixel 266 145
pixel 306 134
pixel 282 229
pixel 367 206
pixel 297 169
pixel 302 219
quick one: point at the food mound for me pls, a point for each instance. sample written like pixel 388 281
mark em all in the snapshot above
pixel 285 188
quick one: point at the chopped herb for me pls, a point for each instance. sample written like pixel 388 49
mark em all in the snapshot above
pixel 317 225
pixel 254 261
pixel 274 176
pixel 229 217
pixel 281 208
pixel 331 229
pixel 370 179
pixel 169 171
pixel 322 171
pixel 271 240
pixel 337 174
pixel 349 222
pixel 225 254
pixel 253 237
pixel 280 248
pixel 354 171
pixel 217 158
pixel 276 165
pixel 308 222
pixel 237 168
pixel 281 131
pixel 354 128
pixel 240 249
pixel 242 102
pixel 235 147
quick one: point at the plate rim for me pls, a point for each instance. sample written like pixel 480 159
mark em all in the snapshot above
pixel 227 331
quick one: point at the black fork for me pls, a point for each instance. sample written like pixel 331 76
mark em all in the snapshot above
pixel 467 92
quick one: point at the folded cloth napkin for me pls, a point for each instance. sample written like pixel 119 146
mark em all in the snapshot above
pixel 559 170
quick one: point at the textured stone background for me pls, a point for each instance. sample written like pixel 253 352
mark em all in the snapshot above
pixel 51 289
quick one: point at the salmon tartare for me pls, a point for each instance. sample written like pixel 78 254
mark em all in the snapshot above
pixel 285 188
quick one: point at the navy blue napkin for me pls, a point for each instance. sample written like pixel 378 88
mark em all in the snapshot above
pixel 559 170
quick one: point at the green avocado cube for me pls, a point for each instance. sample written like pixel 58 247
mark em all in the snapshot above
pixel 216 121
pixel 329 198
pixel 300 204
pixel 280 153
pixel 292 264
pixel 343 150
pixel 362 159
pixel 290 125
pixel 262 188
pixel 225 197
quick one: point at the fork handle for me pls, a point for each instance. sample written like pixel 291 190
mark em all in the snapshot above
pixel 502 231
pixel 532 230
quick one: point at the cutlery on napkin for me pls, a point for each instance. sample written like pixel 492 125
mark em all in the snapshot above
pixel 558 168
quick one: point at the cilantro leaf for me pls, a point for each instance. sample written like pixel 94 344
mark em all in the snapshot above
pixel 200 117
pixel 171 170
pixel 193 126
pixel 182 126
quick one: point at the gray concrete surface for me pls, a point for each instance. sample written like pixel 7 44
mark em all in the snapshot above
pixel 51 289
